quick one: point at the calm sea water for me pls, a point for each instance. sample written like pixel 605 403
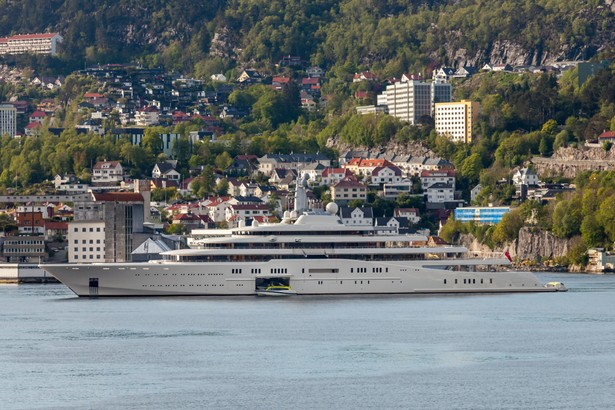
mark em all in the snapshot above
pixel 523 351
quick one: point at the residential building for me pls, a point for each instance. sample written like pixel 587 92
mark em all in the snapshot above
pixel 525 176
pixel 8 119
pixel 394 189
pixel 166 170
pixel 269 162
pixel 365 166
pixel 147 116
pixel 107 173
pixel 428 178
pixel 348 190
pixel 440 192
pixel 244 212
pixel 387 174
pixel 43 43
pixel 412 214
pixel 372 109
pixel 408 101
pixel 363 216
pixel 396 224
pixel 455 120
pixel 481 215
pixel 332 176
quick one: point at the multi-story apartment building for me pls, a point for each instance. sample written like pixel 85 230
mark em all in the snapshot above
pixel 411 100
pixel 456 119
pixel 44 43
pixel 348 190
pixel 108 223
pixel 86 241
pixel 8 119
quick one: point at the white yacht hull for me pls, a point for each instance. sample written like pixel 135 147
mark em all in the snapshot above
pixel 306 276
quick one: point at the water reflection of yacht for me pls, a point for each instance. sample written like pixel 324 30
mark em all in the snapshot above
pixel 310 253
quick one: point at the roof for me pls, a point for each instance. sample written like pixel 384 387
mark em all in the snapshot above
pixel 37 114
pixel 393 168
pixel 348 183
pixel 245 207
pixel 607 134
pixel 164 167
pixel 151 246
pixel 57 225
pixel 440 173
pixel 106 164
pixel 32 36
pixel 310 81
pixel 118 196
pixel 346 211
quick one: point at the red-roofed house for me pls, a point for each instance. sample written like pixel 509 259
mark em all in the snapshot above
pixel 37 116
pixel 240 212
pixel 332 176
pixel 365 166
pixel 279 82
pixel 32 128
pixel 607 136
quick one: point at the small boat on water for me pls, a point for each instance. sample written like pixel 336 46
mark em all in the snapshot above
pixel 276 290
pixel 557 286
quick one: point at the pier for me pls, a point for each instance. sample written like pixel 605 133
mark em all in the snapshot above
pixel 24 273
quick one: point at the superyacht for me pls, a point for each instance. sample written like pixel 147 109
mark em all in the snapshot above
pixel 308 253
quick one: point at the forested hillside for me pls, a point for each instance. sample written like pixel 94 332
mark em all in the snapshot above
pixel 391 36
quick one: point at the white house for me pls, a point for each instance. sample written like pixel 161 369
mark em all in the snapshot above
pixel 357 216
pixel 165 170
pixel 389 174
pixel 525 176
pixel 440 192
pixel 107 173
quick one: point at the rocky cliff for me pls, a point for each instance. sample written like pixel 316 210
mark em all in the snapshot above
pixel 532 245
pixel 567 162
pixel 392 148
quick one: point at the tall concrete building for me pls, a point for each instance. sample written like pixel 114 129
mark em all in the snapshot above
pixel 455 120
pixel 411 100
pixel 104 228
pixel 8 119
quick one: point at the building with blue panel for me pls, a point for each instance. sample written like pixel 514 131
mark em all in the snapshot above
pixel 481 215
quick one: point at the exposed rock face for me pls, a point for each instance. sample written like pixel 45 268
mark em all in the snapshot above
pixel 567 162
pixel 392 148
pixel 532 245
pixel 537 245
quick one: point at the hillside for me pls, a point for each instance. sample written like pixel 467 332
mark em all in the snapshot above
pixel 391 36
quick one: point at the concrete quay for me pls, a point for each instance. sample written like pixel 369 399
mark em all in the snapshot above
pixel 24 273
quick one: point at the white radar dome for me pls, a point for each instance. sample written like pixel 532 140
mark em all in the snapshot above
pixel 332 208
